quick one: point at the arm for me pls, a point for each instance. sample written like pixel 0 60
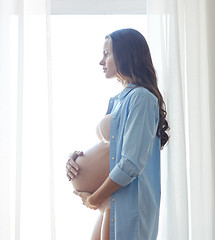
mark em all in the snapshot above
pixel 102 193
pixel 138 137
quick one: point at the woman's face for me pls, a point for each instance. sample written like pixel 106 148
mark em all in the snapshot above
pixel 108 62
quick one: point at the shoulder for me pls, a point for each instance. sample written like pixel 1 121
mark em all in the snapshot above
pixel 141 94
pixel 141 100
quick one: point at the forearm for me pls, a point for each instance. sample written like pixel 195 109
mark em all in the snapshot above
pixel 104 191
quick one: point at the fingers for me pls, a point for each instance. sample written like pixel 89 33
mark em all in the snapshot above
pixel 72 159
pixel 83 196
pixel 77 193
pixel 75 154
pixel 71 171
pixel 71 167
pixel 72 164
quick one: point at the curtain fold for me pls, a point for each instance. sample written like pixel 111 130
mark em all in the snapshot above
pixel 181 34
pixel 174 200
pixel 27 175
pixel 50 120
pixel 6 10
pixel 200 121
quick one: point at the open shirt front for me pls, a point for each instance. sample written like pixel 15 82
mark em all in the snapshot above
pixel 134 164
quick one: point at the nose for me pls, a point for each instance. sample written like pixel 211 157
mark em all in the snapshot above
pixel 102 62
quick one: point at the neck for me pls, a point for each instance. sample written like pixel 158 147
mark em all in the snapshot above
pixel 124 80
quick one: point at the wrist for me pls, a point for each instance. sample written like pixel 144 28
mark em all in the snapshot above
pixel 91 200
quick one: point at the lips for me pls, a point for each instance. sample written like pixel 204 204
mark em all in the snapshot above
pixel 104 69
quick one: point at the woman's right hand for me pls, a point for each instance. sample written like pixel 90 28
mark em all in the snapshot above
pixel 71 166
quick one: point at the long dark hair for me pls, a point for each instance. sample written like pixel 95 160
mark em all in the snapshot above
pixel 133 59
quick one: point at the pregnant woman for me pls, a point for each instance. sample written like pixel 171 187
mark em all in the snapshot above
pixel 121 174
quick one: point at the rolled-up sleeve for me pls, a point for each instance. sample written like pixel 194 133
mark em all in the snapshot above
pixel 139 132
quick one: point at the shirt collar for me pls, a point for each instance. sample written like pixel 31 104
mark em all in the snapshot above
pixel 126 90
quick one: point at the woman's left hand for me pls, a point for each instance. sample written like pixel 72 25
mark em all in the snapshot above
pixel 85 196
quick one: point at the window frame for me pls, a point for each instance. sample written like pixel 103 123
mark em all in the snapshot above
pixel 66 7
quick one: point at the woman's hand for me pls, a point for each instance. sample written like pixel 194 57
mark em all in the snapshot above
pixel 71 166
pixel 85 196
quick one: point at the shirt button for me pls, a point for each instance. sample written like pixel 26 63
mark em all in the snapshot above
pixel 112 136
pixel 113 117
pixel 113 219
pixel 113 158
pixel 113 200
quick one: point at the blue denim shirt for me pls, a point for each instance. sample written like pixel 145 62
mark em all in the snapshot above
pixel 134 164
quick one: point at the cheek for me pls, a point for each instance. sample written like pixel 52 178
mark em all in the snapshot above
pixel 114 67
pixel 111 64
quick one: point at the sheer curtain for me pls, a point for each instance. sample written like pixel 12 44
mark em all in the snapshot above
pixel 26 184
pixel 181 36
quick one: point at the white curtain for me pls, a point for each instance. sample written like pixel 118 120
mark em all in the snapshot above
pixel 26 174
pixel 181 35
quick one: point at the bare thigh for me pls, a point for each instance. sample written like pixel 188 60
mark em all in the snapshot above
pixel 101 230
pixel 97 229
pixel 105 231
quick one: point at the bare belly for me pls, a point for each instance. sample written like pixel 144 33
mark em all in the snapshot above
pixel 94 168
